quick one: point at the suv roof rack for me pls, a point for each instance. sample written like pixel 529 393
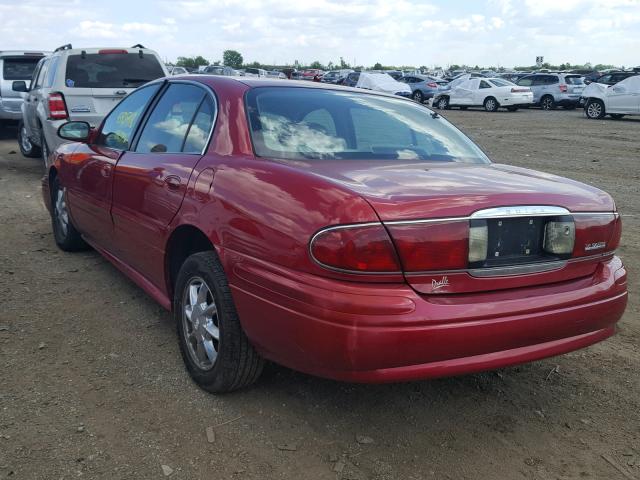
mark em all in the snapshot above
pixel 68 46
pixel 138 45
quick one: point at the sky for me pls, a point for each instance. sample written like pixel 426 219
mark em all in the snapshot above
pixel 393 32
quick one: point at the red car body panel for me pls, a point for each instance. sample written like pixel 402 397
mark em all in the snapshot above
pixel 260 215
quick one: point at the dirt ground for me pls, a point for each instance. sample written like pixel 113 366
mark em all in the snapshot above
pixel 92 384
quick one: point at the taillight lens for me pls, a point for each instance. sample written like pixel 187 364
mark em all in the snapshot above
pixel 559 237
pixel 432 85
pixel 520 90
pixel 563 88
pixel 57 107
pixel 432 246
pixel 365 248
pixel 596 234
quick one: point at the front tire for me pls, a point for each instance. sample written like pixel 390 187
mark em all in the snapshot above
pixel 65 234
pixel 594 109
pixel 214 347
pixel 27 148
pixel 491 104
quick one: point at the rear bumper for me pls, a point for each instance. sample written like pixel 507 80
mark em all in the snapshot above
pixel 387 333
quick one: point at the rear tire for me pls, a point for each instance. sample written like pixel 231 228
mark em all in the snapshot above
pixel 418 96
pixel 65 234
pixel 27 148
pixel 491 104
pixel 547 103
pixel 594 109
pixel 204 309
pixel 443 103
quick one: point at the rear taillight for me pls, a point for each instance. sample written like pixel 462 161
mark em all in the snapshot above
pixel 362 248
pixel 432 85
pixel 563 88
pixel 596 234
pixel 432 246
pixel 57 107
pixel 520 90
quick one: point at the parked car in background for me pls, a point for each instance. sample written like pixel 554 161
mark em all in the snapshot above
pixel 255 72
pixel 551 90
pixel 342 233
pixel 276 74
pixel 219 70
pixel 335 76
pixel 15 66
pixel 422 87
pixel 395 74
pixel 512 77
pixel 381 82
pixel 179 71
pixel 79 84
pixel 617 100
pixel 489 93
pixel 614 77
pixel 351 80
pixel 310 74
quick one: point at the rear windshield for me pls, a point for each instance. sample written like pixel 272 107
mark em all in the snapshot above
pixel 574 80
pixel 500 83
pixel 19 68
pixel 315 124
pixel 111 70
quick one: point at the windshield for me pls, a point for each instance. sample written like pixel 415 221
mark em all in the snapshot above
pixel 19 68
pixel 111 70
pixel 305 123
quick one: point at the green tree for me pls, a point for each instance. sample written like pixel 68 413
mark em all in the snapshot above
pixel 192 62
pixel 316 65
pixel 378 66
pixel 343 65
pixel 232 58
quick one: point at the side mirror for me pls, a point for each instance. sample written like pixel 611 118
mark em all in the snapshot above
pixel 75 131
pixel 19 86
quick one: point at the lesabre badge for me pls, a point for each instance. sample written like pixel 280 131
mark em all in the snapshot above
pixel 438 284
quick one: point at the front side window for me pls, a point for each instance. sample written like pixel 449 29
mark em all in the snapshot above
pixel 120 124
pixel 111 70
pixel 168 124
pixel 20 68
pixel 313 124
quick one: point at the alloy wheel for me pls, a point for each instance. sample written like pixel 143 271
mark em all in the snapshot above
pixel 200 323
pixel 594 110
pixel 61 212
pixel 547 103
pixel 490 105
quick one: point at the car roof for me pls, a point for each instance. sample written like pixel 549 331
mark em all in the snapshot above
pixel 23 53
pixel 256 82
pixel 92 50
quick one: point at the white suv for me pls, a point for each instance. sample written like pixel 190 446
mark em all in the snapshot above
pixel 79 84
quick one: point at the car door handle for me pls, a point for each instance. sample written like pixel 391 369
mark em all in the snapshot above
pixel 173 182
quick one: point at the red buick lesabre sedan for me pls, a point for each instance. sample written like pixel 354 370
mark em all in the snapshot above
pixel 343 233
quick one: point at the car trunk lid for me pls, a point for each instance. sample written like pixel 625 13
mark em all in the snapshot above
pixel 422 202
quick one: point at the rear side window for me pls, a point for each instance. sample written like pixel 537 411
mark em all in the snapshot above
pixel 111 70
pixel 168 124
pixel 19 68
pixel 120 124
pixel 573 80
pixel 525 82
pixel 484 84
pixel 200 128
pixel 551 79
pixel 51 72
